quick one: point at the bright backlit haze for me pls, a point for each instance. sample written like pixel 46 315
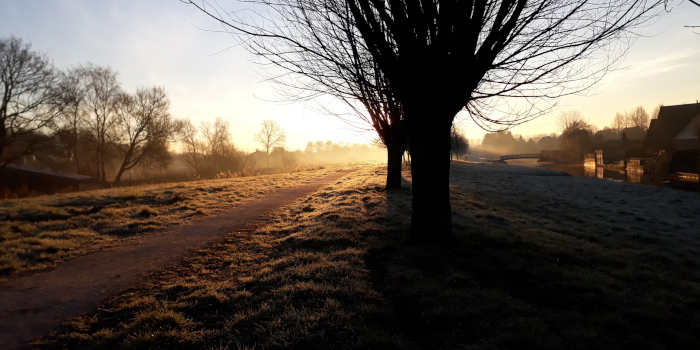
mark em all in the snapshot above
pixel 169 44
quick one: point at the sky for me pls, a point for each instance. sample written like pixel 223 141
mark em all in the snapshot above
pixel 208 75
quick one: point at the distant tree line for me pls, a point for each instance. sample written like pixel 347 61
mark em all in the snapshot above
pixel 578 137
pixel 81 120
pixel 208 151
pixel 321 152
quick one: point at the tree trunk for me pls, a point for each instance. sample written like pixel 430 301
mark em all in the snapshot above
pixel 101 165
pixel 75 147
pixel 394 158
pixel 3 135
pixel 429 144
pixel 118 178
pixel 98 156
pixel 125 162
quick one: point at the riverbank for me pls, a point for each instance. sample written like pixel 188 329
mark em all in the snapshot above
pixel 616 172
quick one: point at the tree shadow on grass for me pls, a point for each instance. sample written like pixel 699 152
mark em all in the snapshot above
pixel 492 289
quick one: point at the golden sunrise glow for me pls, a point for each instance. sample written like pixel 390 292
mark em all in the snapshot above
pixel 207 75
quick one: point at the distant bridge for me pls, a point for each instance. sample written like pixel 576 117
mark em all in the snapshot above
pixel 519 156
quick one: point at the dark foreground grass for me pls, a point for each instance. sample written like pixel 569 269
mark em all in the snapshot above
pixel 334 271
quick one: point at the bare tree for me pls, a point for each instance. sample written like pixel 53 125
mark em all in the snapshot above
pixel 445 56
pixel 572 120
pixel 270 136
pixel 620 123
pixel 217 136
pixel 323 51
pixel 639 118
pixel 208 150
pixel 71 93
pixel 29 102
pixel 101 92
pixel 144 126
pixel 577 135
pixel 459 144
pixel 221 154
pixel 194 147
pixel 440 57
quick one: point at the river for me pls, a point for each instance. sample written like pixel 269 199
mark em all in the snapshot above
pixel 590 171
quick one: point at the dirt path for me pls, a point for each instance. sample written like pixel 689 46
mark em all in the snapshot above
pixel 31 306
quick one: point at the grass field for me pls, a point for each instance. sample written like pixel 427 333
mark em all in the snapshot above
pixel 35 233
pixel 335 271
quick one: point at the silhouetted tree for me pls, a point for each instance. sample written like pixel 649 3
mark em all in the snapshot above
pixel 620 123
pixel 144 127
pixel 439 57
pixel 549 142
pixel 443 56
pixel 209 150
pixel 321 47
pixel 71 93
pixel 459 144
pixel 577 135
pixel 101 92
pixel 270 136
pixel 222 156
pixel 193 147
pixel 29 102
pixel 639 118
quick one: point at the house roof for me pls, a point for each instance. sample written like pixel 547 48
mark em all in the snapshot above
pixel 671 121
pixel 633 133
pixel 688 137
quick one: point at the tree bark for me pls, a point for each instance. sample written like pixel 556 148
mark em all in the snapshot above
pixel 3 135
pixel 75 145
pixel 123 166
pixel 101 165
pixel 118 177
pixel 394 158
pixel 429 144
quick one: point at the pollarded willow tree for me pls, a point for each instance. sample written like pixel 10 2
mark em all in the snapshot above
pixel 440 57
pixel 323 51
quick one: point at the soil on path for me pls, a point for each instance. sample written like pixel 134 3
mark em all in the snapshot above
pixel 31 306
